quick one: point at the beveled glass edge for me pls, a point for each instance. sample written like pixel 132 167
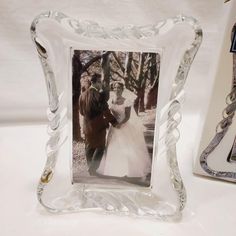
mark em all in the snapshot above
pixel 91 29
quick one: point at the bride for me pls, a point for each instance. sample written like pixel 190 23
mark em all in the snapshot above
pixel 126 154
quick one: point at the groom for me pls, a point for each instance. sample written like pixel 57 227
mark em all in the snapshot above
pixel 97 116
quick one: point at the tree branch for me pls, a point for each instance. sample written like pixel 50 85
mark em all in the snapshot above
pixel 88 64
pixel 115 72
pixel 118 62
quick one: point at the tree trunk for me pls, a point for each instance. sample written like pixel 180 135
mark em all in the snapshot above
pixel 128 67
pixel 106 73
pixel 139 101
pixel 153 67
pixel 154 81
pixel 142 92
pixel 77 68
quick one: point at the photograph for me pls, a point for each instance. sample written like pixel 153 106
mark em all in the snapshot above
pixel 114 100
pixel 233 46
pixel 232 154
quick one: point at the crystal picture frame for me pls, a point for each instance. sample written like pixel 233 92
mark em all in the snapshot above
pixel 55 35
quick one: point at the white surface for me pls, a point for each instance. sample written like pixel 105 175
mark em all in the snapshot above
pixel 210 210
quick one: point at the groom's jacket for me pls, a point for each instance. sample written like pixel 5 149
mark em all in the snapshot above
pixel 97 116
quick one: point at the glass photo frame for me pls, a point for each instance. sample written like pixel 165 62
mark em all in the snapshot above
pixel 130 172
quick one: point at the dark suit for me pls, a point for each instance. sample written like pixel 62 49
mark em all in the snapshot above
pixel 97 116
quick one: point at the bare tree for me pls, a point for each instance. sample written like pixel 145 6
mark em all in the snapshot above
pixel 136 69
pixel 106 73
pixel 128 68
pixel 141 81
pixel 154 81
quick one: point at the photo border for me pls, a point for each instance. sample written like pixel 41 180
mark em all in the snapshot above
pixel 70 108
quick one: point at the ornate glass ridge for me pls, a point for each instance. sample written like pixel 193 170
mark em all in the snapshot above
pixel 136 202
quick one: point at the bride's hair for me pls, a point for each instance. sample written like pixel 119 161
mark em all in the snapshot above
pixel 117 83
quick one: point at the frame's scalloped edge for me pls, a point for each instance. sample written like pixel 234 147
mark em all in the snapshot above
pixel 91 29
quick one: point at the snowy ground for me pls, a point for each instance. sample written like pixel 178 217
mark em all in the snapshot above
pixel 80 167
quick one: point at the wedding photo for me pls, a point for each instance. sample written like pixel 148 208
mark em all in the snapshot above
pixel 114 97
pixel 232 154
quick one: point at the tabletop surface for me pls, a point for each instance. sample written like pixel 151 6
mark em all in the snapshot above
pixel 210 209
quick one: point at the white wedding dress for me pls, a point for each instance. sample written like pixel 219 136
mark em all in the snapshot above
pixel 126 153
